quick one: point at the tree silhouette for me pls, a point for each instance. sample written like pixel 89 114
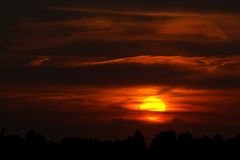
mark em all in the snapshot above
pixel 165 145
pixel 34 139
pixel 139 141
pixel 2 132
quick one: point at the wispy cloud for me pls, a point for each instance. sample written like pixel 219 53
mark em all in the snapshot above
pixel 39 61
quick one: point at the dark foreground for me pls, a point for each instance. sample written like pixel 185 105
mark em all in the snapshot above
pixel 166 145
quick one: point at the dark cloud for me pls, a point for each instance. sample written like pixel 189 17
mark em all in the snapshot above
pixel 89 34
pixel 167 48
pixel 100 75
pixel 122 74
pixel 188 5
pixel 97 29
pixel 117 49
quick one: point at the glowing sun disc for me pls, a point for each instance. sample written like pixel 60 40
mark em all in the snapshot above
pixel 153 103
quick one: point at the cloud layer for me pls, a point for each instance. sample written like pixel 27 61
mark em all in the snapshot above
pixel 85 67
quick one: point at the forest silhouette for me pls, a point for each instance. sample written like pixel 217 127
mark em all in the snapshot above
pixel 167 144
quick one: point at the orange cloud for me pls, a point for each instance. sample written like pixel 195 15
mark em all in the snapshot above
pixel 211 65
pixel 39 61
pixel 193 26
pixel 96 104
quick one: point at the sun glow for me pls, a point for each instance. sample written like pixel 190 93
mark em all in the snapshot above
pixel 152 118
pixel 154 104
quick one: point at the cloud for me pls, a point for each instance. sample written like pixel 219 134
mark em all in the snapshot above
pixel 91 32
pixel 193 26
pixel 51 29
pixel 56 119
pixel 84 67
pixel 39 61
pixel 143 70
pixel 46 106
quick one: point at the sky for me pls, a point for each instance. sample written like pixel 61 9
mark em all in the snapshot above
pixel 84 68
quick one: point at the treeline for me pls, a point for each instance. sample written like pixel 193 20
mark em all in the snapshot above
pixel 165 145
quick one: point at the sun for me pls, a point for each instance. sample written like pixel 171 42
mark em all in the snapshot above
pixel 154 104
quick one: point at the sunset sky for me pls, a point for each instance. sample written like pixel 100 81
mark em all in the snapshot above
pixel 86 68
